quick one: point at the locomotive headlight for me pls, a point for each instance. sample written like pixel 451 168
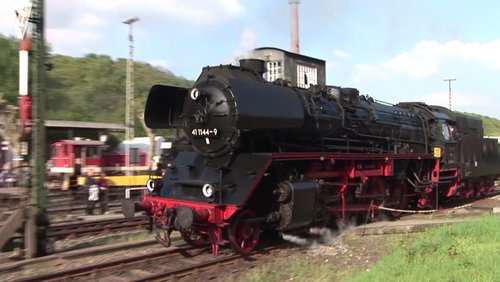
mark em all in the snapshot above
pixel 151 185
pixel 207 190
pixel 194 93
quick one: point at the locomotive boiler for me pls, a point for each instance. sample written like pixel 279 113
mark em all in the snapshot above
pixel 270 156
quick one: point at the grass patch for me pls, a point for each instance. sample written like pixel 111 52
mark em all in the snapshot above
pixel 468 251
pixel 331 262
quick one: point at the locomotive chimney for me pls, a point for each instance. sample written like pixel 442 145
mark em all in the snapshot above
pixel 294 4
pixel 256 65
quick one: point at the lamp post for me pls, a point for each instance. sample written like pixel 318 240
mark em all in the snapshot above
pixel 449 89
pixel 129 98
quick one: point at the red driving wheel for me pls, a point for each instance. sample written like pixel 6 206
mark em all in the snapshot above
pixel 243 235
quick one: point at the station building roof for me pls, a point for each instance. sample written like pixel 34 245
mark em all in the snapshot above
pixel 66 124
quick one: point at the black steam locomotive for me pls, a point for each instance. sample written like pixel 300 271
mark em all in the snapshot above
pixel 266 155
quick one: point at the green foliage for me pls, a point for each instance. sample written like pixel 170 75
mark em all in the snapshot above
pixel 9 69
pixel 467 251
pixel 491 125
pixel 91 88
pixel 112 142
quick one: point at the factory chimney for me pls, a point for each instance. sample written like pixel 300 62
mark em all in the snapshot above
pixel 294 4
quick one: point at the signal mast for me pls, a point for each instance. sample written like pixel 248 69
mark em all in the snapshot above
pixel 32 115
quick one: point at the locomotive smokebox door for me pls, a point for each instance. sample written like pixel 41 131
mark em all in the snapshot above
pixel 164 106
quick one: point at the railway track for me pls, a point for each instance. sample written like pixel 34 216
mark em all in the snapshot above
pixel 109 268
pixel 95 227
pixel 188 264
pixel 64 203
pixel 63 211
pixel 173 263
pixel 144 260
pixel 111 225
pixel 66 206
pixel 72 229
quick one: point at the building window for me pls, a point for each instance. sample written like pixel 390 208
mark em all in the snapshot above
pixel 274 71
pixel 306 76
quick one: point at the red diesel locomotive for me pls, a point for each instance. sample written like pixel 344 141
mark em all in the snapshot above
pixel 76 157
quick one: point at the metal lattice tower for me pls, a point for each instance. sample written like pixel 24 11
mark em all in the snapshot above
pixel 449 89
pixel 129 96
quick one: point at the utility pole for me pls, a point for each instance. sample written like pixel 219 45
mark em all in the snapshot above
pixel 129 98
pixel 449 89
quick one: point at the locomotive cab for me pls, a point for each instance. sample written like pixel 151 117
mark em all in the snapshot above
pixel 71 158
pixel 460 136
pixel 75 156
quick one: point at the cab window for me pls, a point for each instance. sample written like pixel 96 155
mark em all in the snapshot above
pixel 56 151
pixel 445 129
pixel 92 152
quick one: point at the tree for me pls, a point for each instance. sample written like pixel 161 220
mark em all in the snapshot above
pixel 9 69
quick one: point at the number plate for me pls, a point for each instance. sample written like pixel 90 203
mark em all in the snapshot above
pixel 204 132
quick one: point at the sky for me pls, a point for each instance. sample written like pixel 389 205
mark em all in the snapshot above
pixel 392 50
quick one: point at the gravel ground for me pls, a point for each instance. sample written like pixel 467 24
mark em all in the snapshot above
pixel 352 251
pixel 340 255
